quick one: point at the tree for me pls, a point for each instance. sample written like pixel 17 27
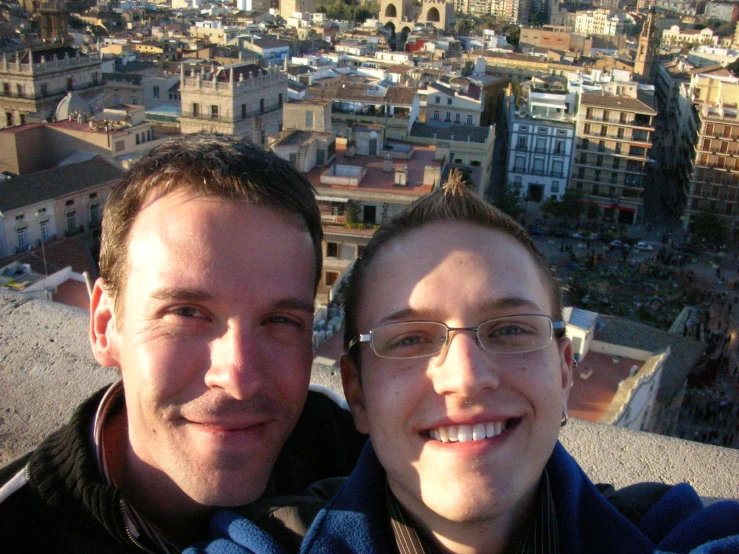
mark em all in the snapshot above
pixel 708 227
pixel 510 201
pixel 592 212
pixel 513 35
pixel 572 206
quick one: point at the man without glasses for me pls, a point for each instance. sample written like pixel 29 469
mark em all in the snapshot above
pixel 211 255
pixel 458 368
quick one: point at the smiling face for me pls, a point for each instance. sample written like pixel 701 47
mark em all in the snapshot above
pixel 214 346
pixel 504 410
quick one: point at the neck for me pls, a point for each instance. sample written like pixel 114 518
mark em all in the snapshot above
pixel 150 491
pixel 489 535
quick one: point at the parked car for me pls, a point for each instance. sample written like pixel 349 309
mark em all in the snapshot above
pixel 617 244
pixel 644 247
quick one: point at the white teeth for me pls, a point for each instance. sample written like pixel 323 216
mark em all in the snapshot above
pixel 466 433
pixel 452 431
pixel 478 432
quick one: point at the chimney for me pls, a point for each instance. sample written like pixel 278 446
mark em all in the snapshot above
pixel 387 164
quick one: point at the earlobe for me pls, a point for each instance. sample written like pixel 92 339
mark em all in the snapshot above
pixel 567 362
pixel 103 331
pixel 353 393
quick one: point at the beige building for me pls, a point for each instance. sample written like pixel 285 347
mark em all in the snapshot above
pixel 66 200
pixel 307 115
pixel 240 99
pixel 120 136
pixel 614 139
pixel 714 121
pixel 458 102
pixel 35 80
pixel 289 7
pixel 402 14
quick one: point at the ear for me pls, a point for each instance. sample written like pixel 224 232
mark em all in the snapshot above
pixel 566 361
pixel 353 393
pixel 104 337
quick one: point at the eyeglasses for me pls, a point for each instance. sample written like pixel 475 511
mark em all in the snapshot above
pixel 514 334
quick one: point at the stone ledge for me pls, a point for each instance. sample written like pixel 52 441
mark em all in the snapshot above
pixel 46 369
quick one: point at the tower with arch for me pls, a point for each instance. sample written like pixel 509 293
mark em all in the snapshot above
pixel 403 14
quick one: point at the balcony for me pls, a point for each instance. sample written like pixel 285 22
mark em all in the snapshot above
pixel 608 454
pixel 229 118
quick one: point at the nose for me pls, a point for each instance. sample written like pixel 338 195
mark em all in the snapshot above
pixel 463 367
pixel 234 364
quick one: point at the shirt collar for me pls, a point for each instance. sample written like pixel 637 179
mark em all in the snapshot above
pixel 541 535
pixel 142 532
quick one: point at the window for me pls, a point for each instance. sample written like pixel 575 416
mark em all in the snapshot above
pixel 521 143
pixel 539 166
pixel 595 189
pixel 214 112
pixel 69 203
pixel 331 278
pixel 541 144
pixel 44 89
pixel 8 119
pixel 448 116
pixel 557 168
pixel 436 114
pixel 261 105
pixel 587 129
pixel 469 120
pixel 19 90
pixel 70 83
pixel 438 99
pixel 279 100
pixel 71 221
pixel 195 109
pixel 559 147
pixel 6 89
pixel 20 217
pixel 555 186
pixel 332 249
pixel 22 236
pixel 156 91
pixel 448 101
pixel 309 119
pixel 94 213
pixel 456 118
pixel 44 230
pixel 119 146
pixel 138 139
pixel 542 130
pixel 520 163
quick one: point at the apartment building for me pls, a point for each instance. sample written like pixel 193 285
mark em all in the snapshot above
pixel 714 124
pixel 614 139
pixel 66 200
pixel 548 36
pixel 674 36
pixel 239 99
pixel 517 11
pixel 35 80
pixel 601 22
pixel 394 107
pixel 541 142
pixel 459 101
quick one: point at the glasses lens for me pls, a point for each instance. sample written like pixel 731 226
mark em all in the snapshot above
pixel 413 339
pixel 515 334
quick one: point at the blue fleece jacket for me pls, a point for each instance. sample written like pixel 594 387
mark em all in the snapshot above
pixel 354 521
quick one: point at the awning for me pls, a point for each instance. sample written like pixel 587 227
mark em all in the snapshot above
pixel 331 199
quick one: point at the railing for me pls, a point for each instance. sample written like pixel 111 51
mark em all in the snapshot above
pixel 58 93
pixel 230 118
pixel 76 231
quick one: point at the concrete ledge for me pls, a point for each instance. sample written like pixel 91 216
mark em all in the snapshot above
pixel 46 369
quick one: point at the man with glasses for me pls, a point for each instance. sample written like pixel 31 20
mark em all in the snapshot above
pixel 458 368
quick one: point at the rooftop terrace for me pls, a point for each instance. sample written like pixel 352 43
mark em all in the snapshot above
pixel 47 369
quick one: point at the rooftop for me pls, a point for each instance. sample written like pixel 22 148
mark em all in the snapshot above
pixel 55 183
pixel 48 370
pixel 378 181
pixel 642 104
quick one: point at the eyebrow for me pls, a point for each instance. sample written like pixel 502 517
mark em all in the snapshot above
pixel 487 306
pixel 197 295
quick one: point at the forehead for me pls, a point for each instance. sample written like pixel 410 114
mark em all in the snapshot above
pixel 199 240
pixel 452 270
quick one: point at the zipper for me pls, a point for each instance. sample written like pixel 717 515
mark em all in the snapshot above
pixel 127 520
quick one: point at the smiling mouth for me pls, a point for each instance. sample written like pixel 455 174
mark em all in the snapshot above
pixel 469 433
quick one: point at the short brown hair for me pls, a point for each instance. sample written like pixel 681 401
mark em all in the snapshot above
pixel 452 202
pixel 207 165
